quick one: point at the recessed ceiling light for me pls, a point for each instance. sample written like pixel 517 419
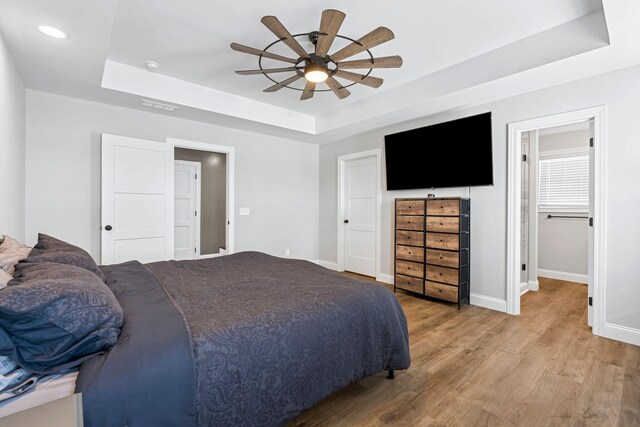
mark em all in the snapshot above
pixel 52 32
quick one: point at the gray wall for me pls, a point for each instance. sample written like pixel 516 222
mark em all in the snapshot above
pixel 213 197
pixel 620 91
pixel 563 244
pixel 277 178
pixel 12 147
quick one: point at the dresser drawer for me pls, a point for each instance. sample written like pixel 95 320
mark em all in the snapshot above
pixel 443 224
pixel 443 207
pixel 409 283
pixel 408 268
pixel 409 222
pixel 410 253
pixel 443 241
pixel 410 207
pixel 440 290
pixel 411 238
pixel 443 274
pixel 443 258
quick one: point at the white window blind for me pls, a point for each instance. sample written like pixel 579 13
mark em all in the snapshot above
pixel 564 182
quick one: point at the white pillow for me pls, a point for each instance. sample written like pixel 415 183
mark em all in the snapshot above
pixel 4 278
pixel 11 252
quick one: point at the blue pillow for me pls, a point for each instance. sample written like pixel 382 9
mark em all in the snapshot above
pixel 50 249
pixel 55 316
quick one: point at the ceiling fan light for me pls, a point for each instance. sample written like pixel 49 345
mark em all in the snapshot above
pixel 316 73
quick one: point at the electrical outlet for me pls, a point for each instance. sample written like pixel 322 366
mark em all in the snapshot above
pixel 287 252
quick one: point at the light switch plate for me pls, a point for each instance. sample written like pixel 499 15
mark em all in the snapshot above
pixel 245 211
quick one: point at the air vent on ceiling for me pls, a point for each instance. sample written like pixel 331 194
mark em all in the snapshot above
pixel 158 105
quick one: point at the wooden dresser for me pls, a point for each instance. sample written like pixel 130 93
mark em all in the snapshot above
pixel 432 247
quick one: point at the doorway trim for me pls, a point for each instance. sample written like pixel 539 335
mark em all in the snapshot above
pixel 198 166
pixel 342 161
pixel 514 175
pixel 230 152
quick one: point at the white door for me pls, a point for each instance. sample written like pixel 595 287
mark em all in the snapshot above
pixel 186 179
pixel 360 216
pixel 592 169
pixel 137 200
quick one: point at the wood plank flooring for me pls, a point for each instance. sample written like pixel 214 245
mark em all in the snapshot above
pixel 478 367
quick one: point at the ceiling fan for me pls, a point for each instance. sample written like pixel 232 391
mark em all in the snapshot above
pixel 318 66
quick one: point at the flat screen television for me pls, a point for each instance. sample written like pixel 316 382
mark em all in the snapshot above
pixel 451 154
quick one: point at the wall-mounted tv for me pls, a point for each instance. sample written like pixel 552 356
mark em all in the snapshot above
pixel 451 154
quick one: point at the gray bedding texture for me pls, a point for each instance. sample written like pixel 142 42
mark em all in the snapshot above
pixel 241 340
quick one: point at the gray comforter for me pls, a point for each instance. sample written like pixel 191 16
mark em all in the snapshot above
pixel 266 338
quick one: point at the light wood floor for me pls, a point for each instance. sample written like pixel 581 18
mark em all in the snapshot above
pixel 478 367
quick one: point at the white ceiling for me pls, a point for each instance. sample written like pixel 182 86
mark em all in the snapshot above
pixel 191 39
pixel 456 53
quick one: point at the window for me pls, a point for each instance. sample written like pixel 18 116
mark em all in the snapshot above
pixel 564 182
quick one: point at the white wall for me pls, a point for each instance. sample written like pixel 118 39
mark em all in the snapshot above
pixel 564 140
pixel 12 147
pixel 276 178
pixel 563 244
pixel 620 91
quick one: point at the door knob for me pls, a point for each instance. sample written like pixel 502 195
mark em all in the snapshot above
pixel 346 221
pixel 108 227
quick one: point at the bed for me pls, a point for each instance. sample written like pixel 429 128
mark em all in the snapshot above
pixel 245 339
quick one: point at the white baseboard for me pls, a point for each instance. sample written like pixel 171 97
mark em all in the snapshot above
pixel 489 302
pixel 326 264
pixel 622 333
pixel 534 285
pixel 524 288
pixel 561 275
pixel 385 278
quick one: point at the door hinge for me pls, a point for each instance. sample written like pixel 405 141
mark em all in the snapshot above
pixel 591 222
pixel 196 213
pixel 524 267
pixel 590 301
pixel 524 157
pixel 195 250
pixel 196 176
pixel 590 142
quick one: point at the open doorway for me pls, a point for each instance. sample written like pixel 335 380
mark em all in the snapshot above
pixel 200 203
pixel 555 196
pixel 594 299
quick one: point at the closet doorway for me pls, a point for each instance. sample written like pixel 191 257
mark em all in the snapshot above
pixel 555 197
pixel 556 215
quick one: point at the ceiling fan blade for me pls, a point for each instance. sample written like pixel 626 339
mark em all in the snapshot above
pixel 372 39
pixel 276 27
pixel 307 93
pixel 383 62
pixel 337 88
pixel 283 83
pixel 253 51
pixel 329 26
pixel 374 82
pixel 265 71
